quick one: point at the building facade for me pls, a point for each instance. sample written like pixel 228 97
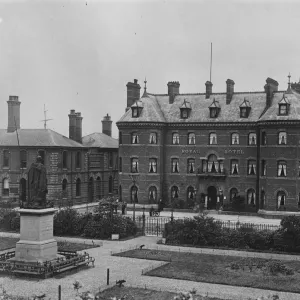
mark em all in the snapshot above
pixel 211 147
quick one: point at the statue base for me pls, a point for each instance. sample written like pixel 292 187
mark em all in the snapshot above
pixel 36 242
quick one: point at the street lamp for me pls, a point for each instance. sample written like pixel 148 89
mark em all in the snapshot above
pixel 134 178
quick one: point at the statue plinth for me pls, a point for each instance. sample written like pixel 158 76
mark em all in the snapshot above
pixel 36 236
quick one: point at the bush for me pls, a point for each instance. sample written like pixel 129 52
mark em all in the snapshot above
pixel 9 219
pixel 66 222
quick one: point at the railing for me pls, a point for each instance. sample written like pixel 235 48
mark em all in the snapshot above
pixel 220 173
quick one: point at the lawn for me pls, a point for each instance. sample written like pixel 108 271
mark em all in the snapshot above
pixel 141 294
pixel 230 270
pixel 8 243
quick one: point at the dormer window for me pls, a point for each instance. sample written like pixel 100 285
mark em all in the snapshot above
pixel 185 110
pixel 136 109
pixel 245 109
pixel 283 106
pixel 214 109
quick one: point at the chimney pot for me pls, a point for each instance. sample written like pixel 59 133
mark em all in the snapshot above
pixel 106 125
pixel 208 85
pixel 133 92
pixel 173 90
pixel 229 90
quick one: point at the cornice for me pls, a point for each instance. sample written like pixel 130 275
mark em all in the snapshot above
pixel 279 123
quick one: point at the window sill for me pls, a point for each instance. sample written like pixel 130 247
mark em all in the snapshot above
pixel 152 173
pixel 5 168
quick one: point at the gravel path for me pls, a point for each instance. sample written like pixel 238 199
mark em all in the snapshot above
pixel 130 270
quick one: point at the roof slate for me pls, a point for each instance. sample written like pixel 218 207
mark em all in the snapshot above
pixel 100 140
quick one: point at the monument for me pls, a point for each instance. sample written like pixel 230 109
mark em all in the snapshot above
pixel 36 242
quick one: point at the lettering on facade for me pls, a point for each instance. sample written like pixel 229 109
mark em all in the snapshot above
pixel 190 151
pixel 234 151
pixel 198 151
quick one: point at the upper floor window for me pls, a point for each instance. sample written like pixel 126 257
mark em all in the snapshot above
pixel 175 140
pixel 5 187
pixel 152 165
pixel 251 167
pixel 110 159
pixel 235 139
pixel 134 165
pixel 175 165
pixel 282 138
pixel 153 138
pixel 185 109
pixel 281 169
pixel 264 138
pixel 234 167
pixel 191 138
pixel 213 139
pixel 41 153
pixel 5 158
pixel 78 160
pixel 120 138
pixel 252 138
pixel 64 160
pixel 23 159
pixel 191 165
pixel 136 109
pixel 263 168
pixel 134 138
pixel 283 106
pixel 214 109
pixel 245 109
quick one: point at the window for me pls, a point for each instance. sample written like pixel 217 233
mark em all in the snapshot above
pixel 152 165
pixel 41 153
pixel 251 167
pixel 78 160
pixel 175 140
pixel 98 188
pixel 233 194
pixel 212 139
pixel 234 167
pixel 191 139
pixel 134 165
pixel 5 159
pixel 64 159
pixel 235 139
pixel 120 138
pixel 281 197
pixel 152 195
pixel 263 168
pixel 185 109
pixel 135 113
pixel 175 165
pixel 120 164
pixel 64 188
pixel 136 109
pixel 243 112
pixel 281 169
pixel 110 159
pixel 283 110
pixel 263 138
pixel 184 114
pixel 153 138
pixel 134 194
pixel 174 192
pixel 191 193
pixel 23 159
pixel 134 138
pixel 78 187
pixel 251 196
pixel 282 138
pixel 191 165
pixel 212 164
pixel 110 184
pixel 252 138
pixel 214 109
pixel 245 109
pixel 5 187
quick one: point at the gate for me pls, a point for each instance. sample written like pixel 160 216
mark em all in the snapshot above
pixel 155 225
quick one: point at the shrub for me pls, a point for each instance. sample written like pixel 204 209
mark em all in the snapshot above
pixel 66 221
pixel 9 219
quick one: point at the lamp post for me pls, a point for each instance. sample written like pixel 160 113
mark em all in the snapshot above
pixel 134 178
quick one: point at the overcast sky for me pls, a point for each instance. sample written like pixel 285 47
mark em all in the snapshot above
pixel 80 54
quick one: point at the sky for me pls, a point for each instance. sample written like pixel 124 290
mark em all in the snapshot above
pixel 80 54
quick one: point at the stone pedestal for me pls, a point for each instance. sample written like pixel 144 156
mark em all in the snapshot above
pixel 36 238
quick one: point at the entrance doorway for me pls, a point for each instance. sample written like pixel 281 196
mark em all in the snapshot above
pixel 211 197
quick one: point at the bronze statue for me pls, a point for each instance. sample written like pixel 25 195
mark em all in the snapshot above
pixel 37 186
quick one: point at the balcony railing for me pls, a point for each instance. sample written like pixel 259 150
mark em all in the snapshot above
pixel 215 174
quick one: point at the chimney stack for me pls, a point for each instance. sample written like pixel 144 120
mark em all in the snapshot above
pixel 208 85
pixel 133 93
pixel 78 127
pixel 106 125
pixel 173 90
pixel 229 90
pixel 13 113
pixel 271 86
pixel 72 125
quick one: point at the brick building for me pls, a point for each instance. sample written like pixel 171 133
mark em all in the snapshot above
pixel 212 146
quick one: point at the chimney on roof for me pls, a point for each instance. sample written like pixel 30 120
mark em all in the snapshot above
pixel 79 127
pixel 72 125
pixel 208 85
pixel 106 125
pixel 13 113
pixel 229 90
pixel 173 90
pixel 133 92
pixel 271 86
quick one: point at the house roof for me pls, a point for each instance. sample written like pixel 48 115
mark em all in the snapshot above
pixel 36 138
pixel 100 140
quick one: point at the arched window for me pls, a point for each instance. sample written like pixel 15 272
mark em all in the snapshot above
pixel 191 193
pixel 78 187
pixel 64 188
pixel 282 138
pixel 251 196
pixel 281 197
pixel 233 194
pixel 252 138
pixel 98 188
pixel 212 138
pixel 134 194
pixel 5 187
pixel 235 139
pixel 152 194
pixel 174 192
pixel 110 184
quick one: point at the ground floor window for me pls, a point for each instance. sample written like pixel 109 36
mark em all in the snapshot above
pixel 5 187
pixel 281 197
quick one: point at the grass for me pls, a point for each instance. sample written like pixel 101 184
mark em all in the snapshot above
pixel 8 243
pixel 140 294
pixel 217 269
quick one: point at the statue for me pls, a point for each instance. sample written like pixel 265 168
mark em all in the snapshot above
pixel 37 186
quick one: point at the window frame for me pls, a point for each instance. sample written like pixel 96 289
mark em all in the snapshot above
pixel 175 138
pixel 283 170
pixel 236 162
pixel 286 111
pixel 175 165
pixel 210 138
pixel 251 192
pixel 152 165
pixel 5 158
pixel 78 160
pixel 78 187
pixel 23 162
pixel 134 165
pixel 251 167
pixel 135 138
pixel 250 137
pixel 237 138
pixel 153 138
pixel 191 163
pixel 65 159
pixel 191 138
pixel 282 135
pixel 152 189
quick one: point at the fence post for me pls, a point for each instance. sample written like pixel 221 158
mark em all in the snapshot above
pixel 107 280
pixel 144 220
pixel 157 228
pixel 59 292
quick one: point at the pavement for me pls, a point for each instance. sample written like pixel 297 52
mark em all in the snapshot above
pixel 131 269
